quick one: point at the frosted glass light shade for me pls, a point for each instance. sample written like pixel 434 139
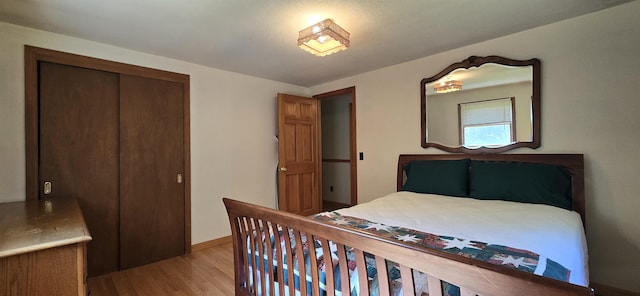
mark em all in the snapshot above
pixel 447 86
pixel 323 38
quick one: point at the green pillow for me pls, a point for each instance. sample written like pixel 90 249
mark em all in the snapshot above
pixel 445 177
pixel 521 182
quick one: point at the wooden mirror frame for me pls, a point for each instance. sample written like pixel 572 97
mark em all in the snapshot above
pixel 475 61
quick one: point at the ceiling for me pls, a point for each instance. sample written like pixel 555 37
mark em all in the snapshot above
pixel 486 75
pixel 258 37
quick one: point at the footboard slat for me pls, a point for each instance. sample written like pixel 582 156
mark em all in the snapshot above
pixel 252 251
pixel 278 238
pixel 244 254
pixel 362 272
pixel 328 265
pixel 289 251
pixel 407 280
pixel 344 269
pixel 473 277
pixel 383 277
pixel 315 284
pixel 269 248
pixel 261 272
pixel 302 267
pixel 435 286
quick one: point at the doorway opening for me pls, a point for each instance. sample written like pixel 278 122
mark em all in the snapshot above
pixel 339 156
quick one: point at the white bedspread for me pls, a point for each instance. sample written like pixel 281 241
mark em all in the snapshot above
pixel 551 232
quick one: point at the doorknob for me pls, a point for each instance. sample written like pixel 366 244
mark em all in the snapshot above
pixel 179 178
pixel 47 188
pixel 283 169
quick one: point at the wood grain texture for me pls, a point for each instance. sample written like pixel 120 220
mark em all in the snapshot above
pixel 299 155
pixel 206 271
pixel 79 130
pixel 51 272
pixel 33 225
pixel 472 276
pixel 34 57
pixel 42 251
pixel 151 157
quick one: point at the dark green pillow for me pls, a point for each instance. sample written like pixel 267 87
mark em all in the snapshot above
pixel 521 182
pixel 445 177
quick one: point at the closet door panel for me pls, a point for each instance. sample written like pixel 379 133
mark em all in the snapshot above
pixel 78 151
pixel 151 158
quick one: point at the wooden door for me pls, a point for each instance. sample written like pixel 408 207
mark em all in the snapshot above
pixel 152 213
pixel 72 139
pixel 78 136
pixel 298 155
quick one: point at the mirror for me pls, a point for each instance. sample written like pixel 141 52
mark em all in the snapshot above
pixel 482 105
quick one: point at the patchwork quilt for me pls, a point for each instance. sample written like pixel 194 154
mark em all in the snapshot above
pixel 501 255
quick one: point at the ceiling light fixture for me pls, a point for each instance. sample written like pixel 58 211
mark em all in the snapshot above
pixel 323 38
pixel 448 85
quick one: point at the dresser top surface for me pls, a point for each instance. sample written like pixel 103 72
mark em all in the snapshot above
pixel 34 225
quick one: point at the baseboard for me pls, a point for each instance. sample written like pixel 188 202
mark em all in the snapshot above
pixel 211 243
pixel 604 290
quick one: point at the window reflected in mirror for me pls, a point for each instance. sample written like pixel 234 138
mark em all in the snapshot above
pixel 487 123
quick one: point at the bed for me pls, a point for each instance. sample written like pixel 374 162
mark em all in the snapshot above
pixel 522 234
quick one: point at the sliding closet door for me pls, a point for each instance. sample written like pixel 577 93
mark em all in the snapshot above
pixel 152 170
pixel 78 151
pixel 100 132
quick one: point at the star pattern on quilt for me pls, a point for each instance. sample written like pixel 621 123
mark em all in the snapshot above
pixel 378 226
pixel 497 254
pixel 340 221
pixel 459 244
pixel 516 262
pixel 408 238
pixel 326 214
pixel 509 257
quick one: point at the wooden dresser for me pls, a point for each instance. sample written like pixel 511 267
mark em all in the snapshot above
pixel 43 248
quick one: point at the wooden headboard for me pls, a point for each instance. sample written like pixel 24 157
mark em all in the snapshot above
pixel 574 163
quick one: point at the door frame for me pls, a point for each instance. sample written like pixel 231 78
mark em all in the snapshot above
pixel 352 134
pixel 34 55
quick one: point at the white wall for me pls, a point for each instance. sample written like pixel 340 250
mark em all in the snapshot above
pixel 335 127
pixel 338 176
pixel 233 148
pixel 590 105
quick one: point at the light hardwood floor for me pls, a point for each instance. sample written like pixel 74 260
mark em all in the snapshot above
pixel 203 272
pixel 206 271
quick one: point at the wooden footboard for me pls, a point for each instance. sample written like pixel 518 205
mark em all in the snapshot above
pixel 250 224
